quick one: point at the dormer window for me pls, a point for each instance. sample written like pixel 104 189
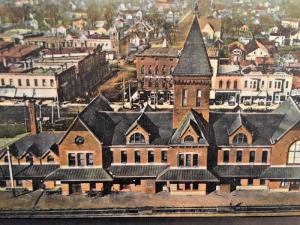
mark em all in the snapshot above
pixel 188 139
pixel 29 159
pixel 50 159
pixel 240 138
pixel 137 138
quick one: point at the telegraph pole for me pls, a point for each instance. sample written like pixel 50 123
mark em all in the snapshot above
pixel 10 169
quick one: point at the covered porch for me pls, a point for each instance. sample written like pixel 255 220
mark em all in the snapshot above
pixel 188 181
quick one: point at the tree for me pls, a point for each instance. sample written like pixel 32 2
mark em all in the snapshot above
pixel 93 12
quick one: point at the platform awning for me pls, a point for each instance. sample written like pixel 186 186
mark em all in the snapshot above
pixel 187 175
pixel 239 171
pixel 80 174
pixel 128 171
pixel 286 173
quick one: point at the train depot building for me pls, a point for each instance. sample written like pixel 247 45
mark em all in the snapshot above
pixel 188 150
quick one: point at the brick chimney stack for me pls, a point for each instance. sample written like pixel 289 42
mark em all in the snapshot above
pixel 32 117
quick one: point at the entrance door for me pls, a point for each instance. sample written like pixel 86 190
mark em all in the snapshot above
pixel 76 189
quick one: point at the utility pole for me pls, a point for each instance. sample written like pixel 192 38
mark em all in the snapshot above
pixel 40 121
pixel 123 90
pixel 25 115
pixel 10 169
pixel 52 112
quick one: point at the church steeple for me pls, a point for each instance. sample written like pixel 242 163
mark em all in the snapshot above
pixel 192 77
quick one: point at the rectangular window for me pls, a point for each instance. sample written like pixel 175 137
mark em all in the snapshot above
pixel 195 160
pixel 44 82
pixel 137 156
pixel 246 84
pixel 19 82
pixel 80 159
pixel 286 84
pixel 89 159
pixel 226 156
pixel 11 82
pixel 27 82
pixel 264 157
pixel 239 156
pixel 123 157
pixel 250 182
pixel 2 82
pixel 164 156
pixel 184 97
pixel 188 160
pixel 252 157
pixel 262 83
pixel 270 84
pixel 51 82
pixel 150 156
pixel 71 159
pixel 198 98
pixel 181 160
pixel 35 82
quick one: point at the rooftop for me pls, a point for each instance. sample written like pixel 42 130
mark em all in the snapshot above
pixel 168 52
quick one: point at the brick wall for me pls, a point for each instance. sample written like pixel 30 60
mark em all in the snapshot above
pixel 192 84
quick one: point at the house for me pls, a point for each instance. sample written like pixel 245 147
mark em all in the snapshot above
pixel 79 24
pixel 236 52
pixel 295 38
pixel 210 27
pixel 59 31
pixel 256 49
pixel 291 23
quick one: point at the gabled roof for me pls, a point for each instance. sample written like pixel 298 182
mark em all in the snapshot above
pixel 37 144
pixel 291 112
pixel 144 121
pixel 193 59
pixel 200 126
pixel 240 121
pixel 261 125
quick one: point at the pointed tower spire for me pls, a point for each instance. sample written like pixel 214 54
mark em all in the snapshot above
pixel 192 77
pixel 193 59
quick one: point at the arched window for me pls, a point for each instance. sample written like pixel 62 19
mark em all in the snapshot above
pixel 294 153
pixel 29 159
pixel 156 70
pixel 220 84
pixel 50 158
pixel 188 139
pixel 143 70
pixel 137 138
pixel 6 159
pixel 150 70
pixel 228 84
pixel 240 139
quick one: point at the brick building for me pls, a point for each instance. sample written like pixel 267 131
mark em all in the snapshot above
pixel 187 151
pixel 64 75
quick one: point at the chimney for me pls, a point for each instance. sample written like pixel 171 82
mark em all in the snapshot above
pixel 32 117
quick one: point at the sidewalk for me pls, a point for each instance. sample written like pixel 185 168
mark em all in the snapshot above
pixel 132 200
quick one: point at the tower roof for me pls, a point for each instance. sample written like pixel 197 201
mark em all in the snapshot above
pixel 193 59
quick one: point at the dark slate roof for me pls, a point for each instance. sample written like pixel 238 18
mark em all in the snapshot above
pixel 37 144
pixel 260 125
pixel 201 127
pixel 80 174
pixel 239 121
pixel 193 59
pixel 28 171
pixel 251 46
pixel 239 170
pixel 144 121
pixel 187 174
pixel 291 113
pixel 110 127
pixel 120 171
pixel 281 173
